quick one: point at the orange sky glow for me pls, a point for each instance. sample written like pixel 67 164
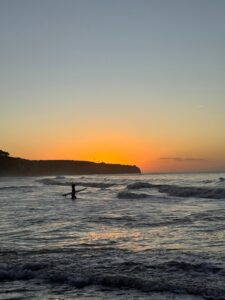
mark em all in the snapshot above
pixel 114 81
pixel 149 155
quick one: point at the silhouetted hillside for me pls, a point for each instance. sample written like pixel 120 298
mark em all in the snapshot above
pixel 10 166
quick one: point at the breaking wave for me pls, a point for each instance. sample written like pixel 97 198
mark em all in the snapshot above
pixel 171 190
pixel 197 192
pixel 181 191
pixel 176 276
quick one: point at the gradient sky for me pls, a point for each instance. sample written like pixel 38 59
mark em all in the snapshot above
pixel 139 82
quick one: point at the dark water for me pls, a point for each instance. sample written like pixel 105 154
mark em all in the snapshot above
pixel 125 237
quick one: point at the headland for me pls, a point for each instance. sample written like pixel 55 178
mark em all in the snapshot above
pixel 13 166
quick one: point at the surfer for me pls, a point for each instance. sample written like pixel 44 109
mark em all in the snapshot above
pixel 74 191
pixel 73 194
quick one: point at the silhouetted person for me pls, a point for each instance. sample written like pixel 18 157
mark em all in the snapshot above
pixel 73 194
pixel 74 191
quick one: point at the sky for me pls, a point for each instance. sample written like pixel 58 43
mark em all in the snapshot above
pixel 123 81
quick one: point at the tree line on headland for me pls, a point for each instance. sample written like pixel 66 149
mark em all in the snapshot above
pixel 13 166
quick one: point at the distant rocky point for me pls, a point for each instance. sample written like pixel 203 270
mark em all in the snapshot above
pixel 11 166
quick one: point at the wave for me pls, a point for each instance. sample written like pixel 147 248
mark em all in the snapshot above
pixel 96 184
pixel 174 276
pixel 140 221
pixel 139 185
pixel 13 187
pixel 181 191
pixel 206 181
pixel 196 192
pixel 49 181
pixel 128 195
pixel 218 180
pixel 60 177
pixel 200 267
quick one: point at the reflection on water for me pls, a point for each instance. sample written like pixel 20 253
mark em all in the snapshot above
pixel 119 236
pixel 153 244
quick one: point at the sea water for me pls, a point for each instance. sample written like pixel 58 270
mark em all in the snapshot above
pixel 125 237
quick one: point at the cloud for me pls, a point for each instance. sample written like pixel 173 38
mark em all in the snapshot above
pixel 182 159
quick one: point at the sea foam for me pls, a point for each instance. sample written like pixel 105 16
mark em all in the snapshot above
pixel 182 191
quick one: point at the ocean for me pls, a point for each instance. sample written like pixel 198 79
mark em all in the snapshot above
pixel 124 237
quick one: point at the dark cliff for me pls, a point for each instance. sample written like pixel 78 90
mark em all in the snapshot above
pixel 10 166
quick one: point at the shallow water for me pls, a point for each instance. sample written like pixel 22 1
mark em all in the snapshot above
pixel 124 237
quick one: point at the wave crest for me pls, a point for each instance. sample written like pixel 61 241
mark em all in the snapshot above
pixel 49 181
pixel 139 185
pixel 169 276
pixel 129 195
pixel 197 192
pixel 181 191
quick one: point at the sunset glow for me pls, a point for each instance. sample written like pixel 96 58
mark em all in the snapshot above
pixel 130 83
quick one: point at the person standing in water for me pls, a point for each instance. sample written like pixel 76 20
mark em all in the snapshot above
pixel 73 194
pixel 74 191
